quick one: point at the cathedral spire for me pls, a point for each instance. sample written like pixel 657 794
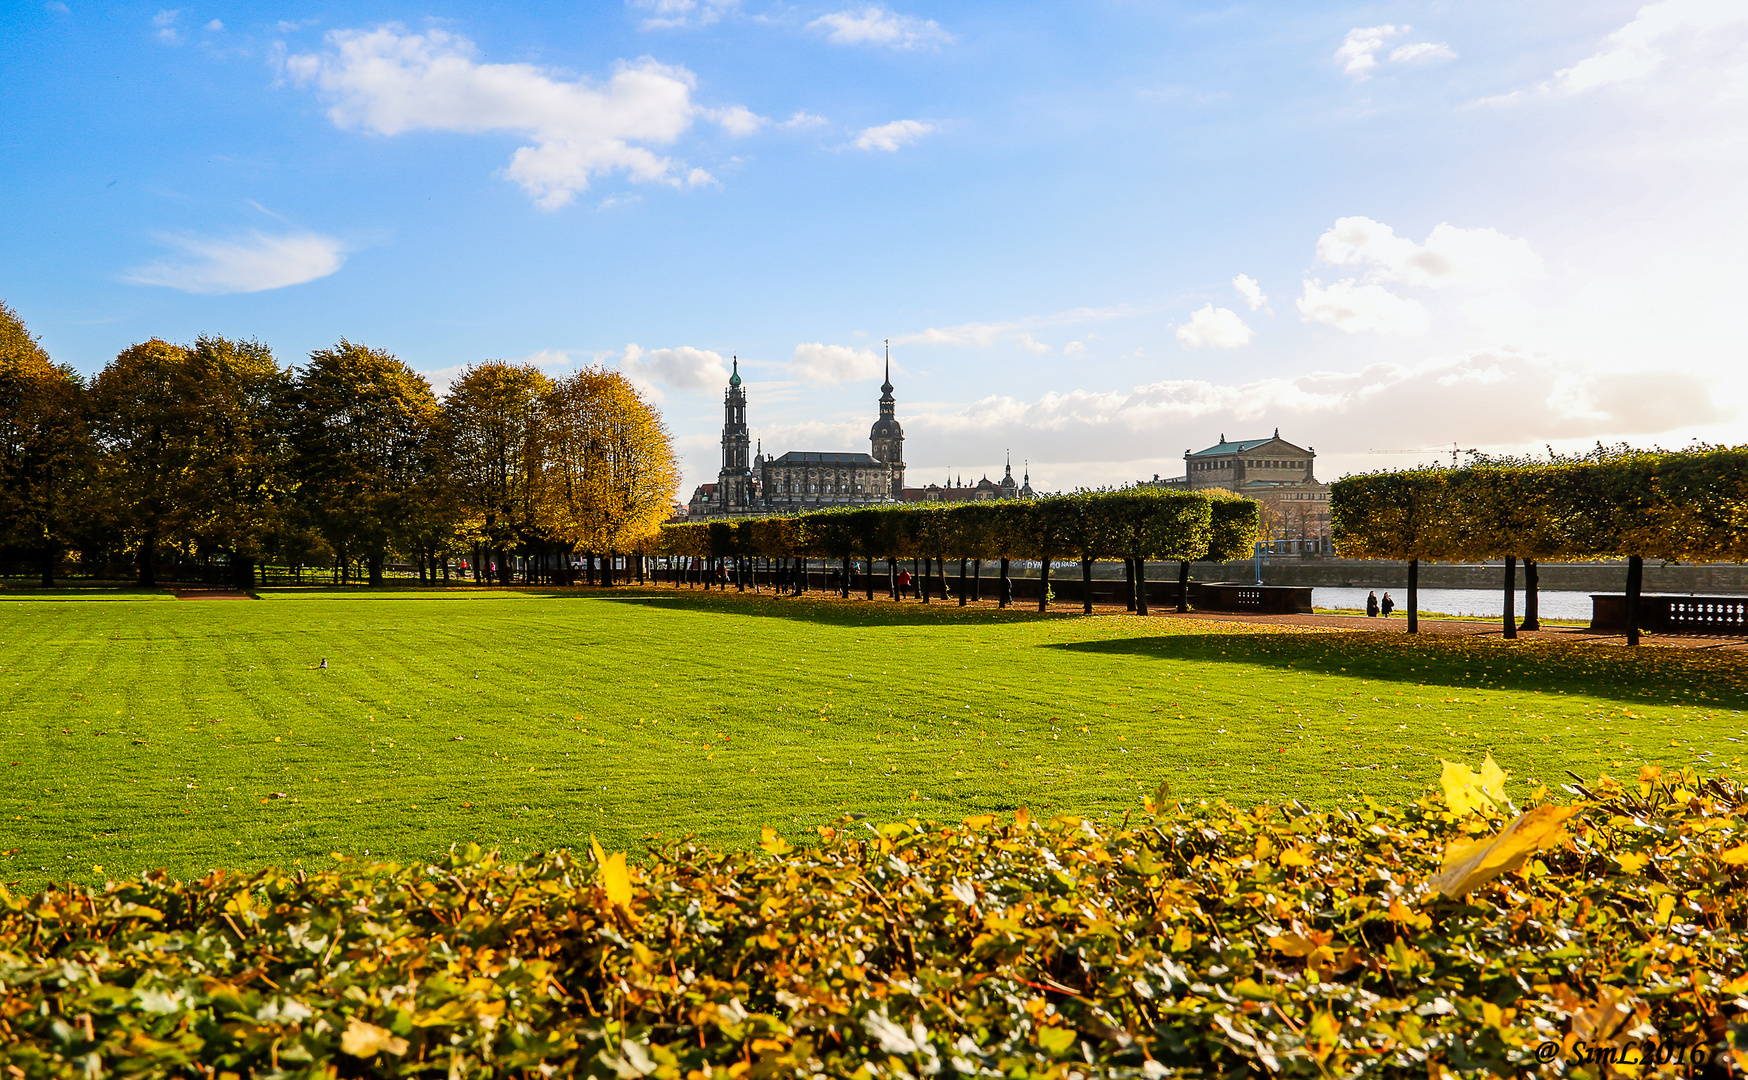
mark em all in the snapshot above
pixel 886 386
pixel 734 379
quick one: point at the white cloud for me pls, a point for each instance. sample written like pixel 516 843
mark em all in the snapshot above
pixel 685 368
pixel 823 365
pixel 252 263
pixel 1355 308
pixel 1073 348
pixel 1643 45
pixel 1499 398
pixel 215 26
pixel 165 21
pixel 1018 331
pixel 737 119
pixel 1250 291
pixel 680 14
pixel 1422 52
pixel 55 7
pixel 1465 258
pixel 1214 328
pixel 892 136
pixel 1358 54
pixel 880 26
pixel 803 119
pixel 391 82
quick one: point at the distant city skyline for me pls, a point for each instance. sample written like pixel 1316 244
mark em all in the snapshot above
pixel 1105 233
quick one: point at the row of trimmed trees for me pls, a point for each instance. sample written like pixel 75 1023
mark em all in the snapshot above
pixel 1132 525
pixel 1682 506
pixel 177 453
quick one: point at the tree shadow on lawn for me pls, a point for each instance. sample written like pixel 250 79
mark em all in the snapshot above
pixel 830 610
pixel 1665 676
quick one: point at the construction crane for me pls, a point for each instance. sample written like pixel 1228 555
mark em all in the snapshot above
pixel 1453 451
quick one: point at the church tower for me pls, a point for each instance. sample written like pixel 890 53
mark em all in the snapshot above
pixel 734 484
pixel 887 436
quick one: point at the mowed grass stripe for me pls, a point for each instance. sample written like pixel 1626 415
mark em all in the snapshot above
pixel 149 735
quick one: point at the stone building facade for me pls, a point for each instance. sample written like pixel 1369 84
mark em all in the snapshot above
pixel 800 480
pixel 1278 475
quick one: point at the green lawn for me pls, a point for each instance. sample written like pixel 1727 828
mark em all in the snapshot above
pixel 194 735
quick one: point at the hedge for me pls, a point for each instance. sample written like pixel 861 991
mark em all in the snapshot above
pixel 1182 940
pixel 1132 524
pixel 1689 505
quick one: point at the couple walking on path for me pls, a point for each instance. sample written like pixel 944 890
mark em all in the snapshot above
pixel 1373 607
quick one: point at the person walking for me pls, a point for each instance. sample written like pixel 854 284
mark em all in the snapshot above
pixel 1371 605
pixel 903 582
pixel 1387 606
pixel 1007 591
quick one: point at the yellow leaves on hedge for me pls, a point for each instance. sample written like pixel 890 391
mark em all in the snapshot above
pixel 1736 856
pixel 1467 793
pixel 615 876
pixel 1468 864
pixel 367 1040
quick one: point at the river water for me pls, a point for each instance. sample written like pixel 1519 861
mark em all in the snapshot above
pixel 1554 605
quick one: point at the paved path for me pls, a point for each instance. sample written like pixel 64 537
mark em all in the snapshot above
pixel 1468 628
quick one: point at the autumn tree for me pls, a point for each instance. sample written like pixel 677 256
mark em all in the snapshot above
pixel 366 450
pixel 44 448
pixel 495 426
pixel 143 418
pixel 610 474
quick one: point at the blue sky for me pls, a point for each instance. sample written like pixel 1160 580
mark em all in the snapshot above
pixel 1098 234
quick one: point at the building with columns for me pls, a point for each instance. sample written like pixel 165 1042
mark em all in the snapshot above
pixel 1280 476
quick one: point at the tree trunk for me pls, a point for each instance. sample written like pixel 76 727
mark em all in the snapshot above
pixel 925 586
pixel 941 576
pixel 1183 586
pixel 1044 583
pixel 48 564
pixel 640 569
pixel 1532 608
pixel 868 581
pixel 1414 596
pixel 1086 586
pixel 1140 586
pixel 1001 586
pixel 148 559
pixel 374 566
pixel 962 589
pixel 844 585
pixel 477 560
pixel 1511 596
pixel 1635 583
pixel 977 580
pixel 1129 583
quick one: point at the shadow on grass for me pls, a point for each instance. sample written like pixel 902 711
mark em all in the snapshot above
pixel 1686 676
pixel 103 592
pixel 827 609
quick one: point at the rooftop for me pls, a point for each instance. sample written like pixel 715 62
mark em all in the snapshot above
pixel 808 457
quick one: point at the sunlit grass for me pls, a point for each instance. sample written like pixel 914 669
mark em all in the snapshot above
pixel 199 735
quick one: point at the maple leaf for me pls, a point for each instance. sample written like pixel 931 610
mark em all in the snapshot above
pixel 1468 864
pixel 367 1040
pixel 1467 793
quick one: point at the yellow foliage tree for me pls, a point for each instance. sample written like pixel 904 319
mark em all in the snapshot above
pixel 610 475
